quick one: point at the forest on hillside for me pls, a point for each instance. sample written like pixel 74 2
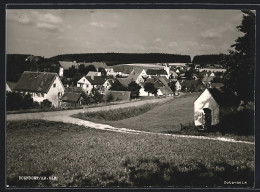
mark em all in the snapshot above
pixel 119 58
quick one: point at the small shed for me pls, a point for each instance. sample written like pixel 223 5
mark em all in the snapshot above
pixel 71 99
pixel 207 108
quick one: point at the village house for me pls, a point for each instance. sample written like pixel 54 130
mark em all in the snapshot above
pixel 87 83
pixel 157 72
pixel 160 83
pixel 122 70
pixel 138 75
pixel 93 73
pixel 9 86
pixel 207 108
pixel 41 86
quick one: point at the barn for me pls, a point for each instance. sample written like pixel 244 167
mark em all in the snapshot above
pixel 207 108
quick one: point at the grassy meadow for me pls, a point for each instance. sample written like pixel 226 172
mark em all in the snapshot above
pixel 162 118
pixel 78 156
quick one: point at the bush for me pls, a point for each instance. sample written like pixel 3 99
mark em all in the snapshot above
pixel 27 102
pixel 46 104
pixel 13 101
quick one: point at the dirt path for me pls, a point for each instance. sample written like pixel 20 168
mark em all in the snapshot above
pixel 64 116
pixel 67 113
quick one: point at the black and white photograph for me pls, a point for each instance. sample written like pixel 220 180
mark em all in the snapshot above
pixel 130 98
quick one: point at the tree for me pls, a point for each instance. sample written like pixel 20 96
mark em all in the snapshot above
pixel 46 103
pixel 103 72
pixel 27 102
pixel 150 88
pixel 134 88
pixel 239 77
pixel 13 101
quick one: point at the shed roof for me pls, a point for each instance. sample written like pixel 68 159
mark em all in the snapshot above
pixel 35 81
pixel 71 97
pixel 93 73
pixel 96 80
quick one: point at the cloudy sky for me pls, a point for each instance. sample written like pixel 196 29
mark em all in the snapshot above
pixel 47 33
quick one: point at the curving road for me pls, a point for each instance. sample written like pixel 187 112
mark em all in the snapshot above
pixel 65 116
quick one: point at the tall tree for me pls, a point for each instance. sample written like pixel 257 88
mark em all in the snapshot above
pixel 134 88
pixel 239 77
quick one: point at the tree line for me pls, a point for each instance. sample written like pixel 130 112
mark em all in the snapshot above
pixel 210 59
pixel 117 58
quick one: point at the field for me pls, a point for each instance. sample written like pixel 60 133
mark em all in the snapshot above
pixel 163 118
pixel 79 156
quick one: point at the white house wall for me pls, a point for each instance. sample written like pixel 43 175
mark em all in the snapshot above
pixel 206 100
pixel 52 95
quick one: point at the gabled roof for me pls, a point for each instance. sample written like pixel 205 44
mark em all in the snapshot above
pixel 71 97
pixel 156 72
pixel 96 80
pixel 123 69
pixel 217 94
pixel 35 81
pixel 166 90
pixel 11 85
pixel 207 78
pixel 67 64
pixel 124 81
pixel 135 74
pixel 93 73
pixel 74 89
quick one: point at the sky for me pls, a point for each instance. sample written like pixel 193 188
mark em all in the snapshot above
pixel 50 32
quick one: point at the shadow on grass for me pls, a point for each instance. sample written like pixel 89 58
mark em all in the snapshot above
pixel 153 172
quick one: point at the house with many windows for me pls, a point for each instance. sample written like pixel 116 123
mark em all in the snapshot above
pixel 87 83
pixel 41 86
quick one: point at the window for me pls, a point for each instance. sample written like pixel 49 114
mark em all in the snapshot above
pixel 54 85
pixel 42 94
pixel 38 94
pixel 87 85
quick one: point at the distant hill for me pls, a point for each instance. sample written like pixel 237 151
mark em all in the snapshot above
pixel 18 63
pixel 118 58
pixel 210 59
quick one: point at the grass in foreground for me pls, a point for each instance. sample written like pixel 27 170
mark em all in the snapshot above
pixel 79 156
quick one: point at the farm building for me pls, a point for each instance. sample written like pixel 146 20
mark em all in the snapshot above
pixel 117 95
pixel 41 85
pixel 10 86
pixel 207 108
pixel 71 99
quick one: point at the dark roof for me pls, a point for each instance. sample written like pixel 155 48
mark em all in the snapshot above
pixel 71 97
pixel 35 81
pixel 96 80
pixel 124 81
pixel 74 89
pixel 156 72
pixel 217 94
pixel 11 85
